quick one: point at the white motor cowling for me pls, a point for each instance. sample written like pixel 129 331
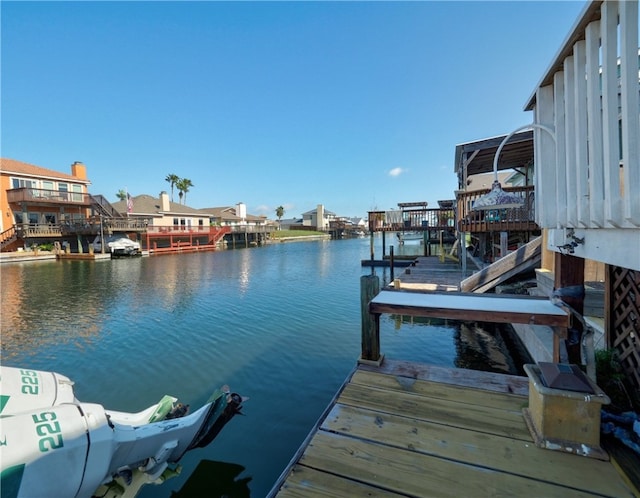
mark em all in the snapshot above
pixel 46 453
pixel 25 389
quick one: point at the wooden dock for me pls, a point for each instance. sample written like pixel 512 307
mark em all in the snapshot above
pixel 431 273
pixel 412 430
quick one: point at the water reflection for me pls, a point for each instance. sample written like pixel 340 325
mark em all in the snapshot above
pixel 31 312
pixel 473 345
pixel 244 271
pixel 280 324
pixel 215 479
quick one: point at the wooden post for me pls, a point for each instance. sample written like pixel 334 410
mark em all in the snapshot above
pixel 384 244
pixel 369 288
pixel 391 262
pixel 569 272
pixel 371 244
pixel 463 252
pixel 504 244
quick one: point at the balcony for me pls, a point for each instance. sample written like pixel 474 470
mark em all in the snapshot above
pixel 47 197
pixel 497 220
pixel 411 220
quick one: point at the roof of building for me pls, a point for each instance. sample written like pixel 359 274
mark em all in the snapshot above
pixel 290 221
pixel 315 211
pixel 147 204
pixel 228 213
pixel 11 166
pixel 479 155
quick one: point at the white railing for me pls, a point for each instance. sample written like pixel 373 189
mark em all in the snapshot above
pixel 589 180
pixel 594 174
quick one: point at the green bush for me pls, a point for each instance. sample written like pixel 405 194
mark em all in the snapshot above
pixel 611 378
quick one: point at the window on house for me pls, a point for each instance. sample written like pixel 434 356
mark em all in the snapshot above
pixel 63 188
pixel 47 187
pixel 77 193
pixel 21 182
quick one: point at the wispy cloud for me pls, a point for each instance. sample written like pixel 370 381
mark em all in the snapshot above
pixel 397 171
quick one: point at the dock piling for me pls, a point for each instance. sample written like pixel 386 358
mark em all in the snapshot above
pixel 369 288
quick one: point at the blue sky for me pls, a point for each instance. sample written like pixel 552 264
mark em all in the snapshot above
pixel 354 105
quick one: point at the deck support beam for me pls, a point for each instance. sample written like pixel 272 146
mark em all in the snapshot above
pixel 569 274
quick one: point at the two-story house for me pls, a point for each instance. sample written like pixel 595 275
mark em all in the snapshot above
pixel 36 201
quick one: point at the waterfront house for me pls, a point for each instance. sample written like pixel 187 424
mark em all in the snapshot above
pixel 234 216
pixel 318 218
pixel 358 222
pixel 160 213
pixel 290 223
pixel 36 202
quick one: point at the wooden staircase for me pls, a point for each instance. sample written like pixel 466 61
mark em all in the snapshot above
pixel 524 258
pixel 215 235
pixel 8 237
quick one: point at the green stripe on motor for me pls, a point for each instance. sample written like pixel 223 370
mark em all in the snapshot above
pixel 3 401
pixel 10 480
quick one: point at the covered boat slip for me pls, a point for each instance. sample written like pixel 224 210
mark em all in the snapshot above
pixel 406 429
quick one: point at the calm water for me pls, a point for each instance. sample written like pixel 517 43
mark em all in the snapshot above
pixel 279 324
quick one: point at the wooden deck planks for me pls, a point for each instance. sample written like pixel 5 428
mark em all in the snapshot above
pixel 402 432
pixel 475 417
pixel 429 273
pixel 306 481
pixel 461 377
pixel 415 474
pixel 490 451
pixel 438 390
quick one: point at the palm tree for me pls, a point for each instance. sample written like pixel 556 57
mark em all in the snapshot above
pixel 279 214
pixel 121 195
pixel 187 185
pixel 172 179
pixel 183 185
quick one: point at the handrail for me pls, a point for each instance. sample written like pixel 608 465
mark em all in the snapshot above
pixel 521 218
pixel 105 206
pixel 412 220
pixel 28 194
pixel 8 236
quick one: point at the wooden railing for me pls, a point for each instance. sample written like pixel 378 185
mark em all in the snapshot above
pixel 588 168
pixel 103 205
pixel 38 230
pixel 502 220
pixel 252 228
pixel 411 220
pixel 38 195
pixel 8 236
